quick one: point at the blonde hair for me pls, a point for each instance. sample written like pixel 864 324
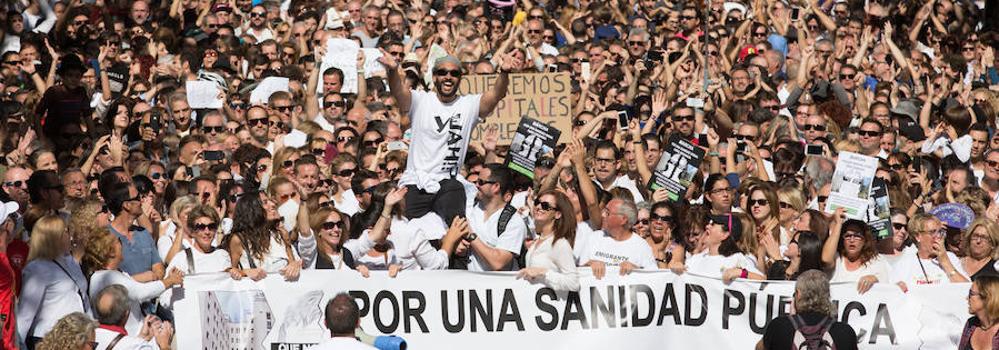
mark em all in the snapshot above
pixel 846 145
pixel 82 222
pixel 99 251
pixel 71 332
pixel 793 196
pixel 181 204
pixel 991 228
pixel 917 224
pixel 47 238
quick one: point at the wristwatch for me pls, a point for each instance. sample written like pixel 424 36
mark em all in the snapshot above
pixel 471 236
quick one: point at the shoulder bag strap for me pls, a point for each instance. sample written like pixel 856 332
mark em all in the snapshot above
pixel 115 341
pixel 246 251
pixel 79 292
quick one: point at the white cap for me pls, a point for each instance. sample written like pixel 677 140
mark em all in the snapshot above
pixel 8 208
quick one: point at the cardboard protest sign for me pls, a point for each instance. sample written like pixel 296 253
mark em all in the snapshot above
pixel 532 140
pixel 540 96
pixel 879 210
pixel 851 185
pixel 677 167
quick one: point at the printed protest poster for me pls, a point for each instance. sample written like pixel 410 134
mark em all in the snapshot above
pixel 879 210
pixel 342 54
pixel 677 167
pixel 541 96
pixel 851 185
pixel 532 140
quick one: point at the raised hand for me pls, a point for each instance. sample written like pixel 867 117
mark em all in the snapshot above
pixel 387 60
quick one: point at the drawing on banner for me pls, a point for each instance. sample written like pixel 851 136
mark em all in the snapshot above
pixel 677 167
pixel 851 185
pixel 303 320
pixel 234 320
pixel 532 140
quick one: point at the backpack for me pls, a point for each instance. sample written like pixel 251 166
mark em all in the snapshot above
pixel 814 337
pixel 461 262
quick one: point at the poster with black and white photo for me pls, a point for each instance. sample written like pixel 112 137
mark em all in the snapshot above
pixel 879 210
pixel 532 140
pixel 677 167
pixel 851 185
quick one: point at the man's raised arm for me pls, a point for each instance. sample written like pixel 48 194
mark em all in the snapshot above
pixel 403 97
pixel 492 98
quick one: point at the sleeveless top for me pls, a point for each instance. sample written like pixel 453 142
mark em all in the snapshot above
pixel 969 329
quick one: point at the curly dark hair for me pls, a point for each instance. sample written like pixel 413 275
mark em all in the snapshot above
pixel 250 223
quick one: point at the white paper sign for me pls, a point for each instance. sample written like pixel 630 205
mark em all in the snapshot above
pixel 342 54
pixel 203 94
pixel 851 184
pixel 267 87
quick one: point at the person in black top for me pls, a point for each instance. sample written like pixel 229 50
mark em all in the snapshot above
pixel 812 307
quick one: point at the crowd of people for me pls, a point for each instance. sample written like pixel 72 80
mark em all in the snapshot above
pixel 114 188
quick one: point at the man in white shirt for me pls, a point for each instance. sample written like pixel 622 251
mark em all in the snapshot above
pixel 441 124
pixel 617 245
pixel 605 173
pixel 112 309
pixel 342 319
pixel 489 249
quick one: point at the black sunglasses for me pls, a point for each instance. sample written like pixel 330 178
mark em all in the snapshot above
pixel 452 72
pixel 329 225
pixel 545 206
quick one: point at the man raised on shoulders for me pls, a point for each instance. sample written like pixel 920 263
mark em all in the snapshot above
pixel 441 123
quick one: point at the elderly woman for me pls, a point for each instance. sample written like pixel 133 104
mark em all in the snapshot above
pixel 930 262
pixel 979 243
pixel 982 331
pixel 73 332
pixel 53 284
pixel 175 227
pixel 101 263
pixel 851 253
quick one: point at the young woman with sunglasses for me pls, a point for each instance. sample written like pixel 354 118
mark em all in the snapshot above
pixel 549 258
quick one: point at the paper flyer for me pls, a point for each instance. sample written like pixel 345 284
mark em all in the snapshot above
pixel 532 140
pixel 851 185
pixel 677 167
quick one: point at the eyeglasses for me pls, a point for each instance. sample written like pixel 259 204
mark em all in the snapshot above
pixel 287 163
pixel 642 221
pixel 326 182
pixel 257 14
pixel 534 31
pixel 12 63
pixel 745 138
pixel 284 109
pixel 385 168
pixel 481 182
pixel 663 218
pixel 211 129
pixel 287 196
pixel 821 199
pixel 346 172
pixel 816 127
pixel 898 226
pixel 981 238
pixel 238 105
pixel 636 43
pixel 544 206
pixel 156 176
pixel 448 72
pixel 967 49
pixel 277 124
pixel 329 225
pixel 344 139
pixel 687 17
pixel 847 76
pixel 326 204
pixel 329 104
pixel 604 160
pixel 992 163
pixel 760 34
pixel 262 168
pixel 785 205
pixel 852 235
pixel 18 183
pixel 972 293
pixel 937 233
pixel 373 143
pixel 680 118
pixel 256 122
pixel 579 60
pixel 579 122
pixel 720 190
pixel 868 133
pixel 755 202
pixel 206 227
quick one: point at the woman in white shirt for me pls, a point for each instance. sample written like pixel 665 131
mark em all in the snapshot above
pixel 851 252
pixel 52 284
pixel 723 258
pixel 203 257
pixel 549 258
pixel 930 262
pixel 101 263
pixel 173 227
pixel 259 244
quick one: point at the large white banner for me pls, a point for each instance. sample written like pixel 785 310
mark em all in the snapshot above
pixel 455 309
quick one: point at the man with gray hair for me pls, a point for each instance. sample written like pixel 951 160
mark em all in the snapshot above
pixel 111 306
pixel 441 123
pixel 812 324
pixel 615 244
pixel 342 319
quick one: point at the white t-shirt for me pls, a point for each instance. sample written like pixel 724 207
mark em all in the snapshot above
pixel 713 265
pixel 216 261
pixel 440 138
pixel 878 266
pixel 411 241
pixel 612 252
pixel 584 234
pixel 909 269
pixel 511 240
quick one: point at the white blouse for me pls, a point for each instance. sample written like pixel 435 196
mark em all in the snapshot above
pixel 138 292
pixel 558 259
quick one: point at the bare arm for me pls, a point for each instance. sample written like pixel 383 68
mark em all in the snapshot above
pixel 492 97
pixel 403 97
